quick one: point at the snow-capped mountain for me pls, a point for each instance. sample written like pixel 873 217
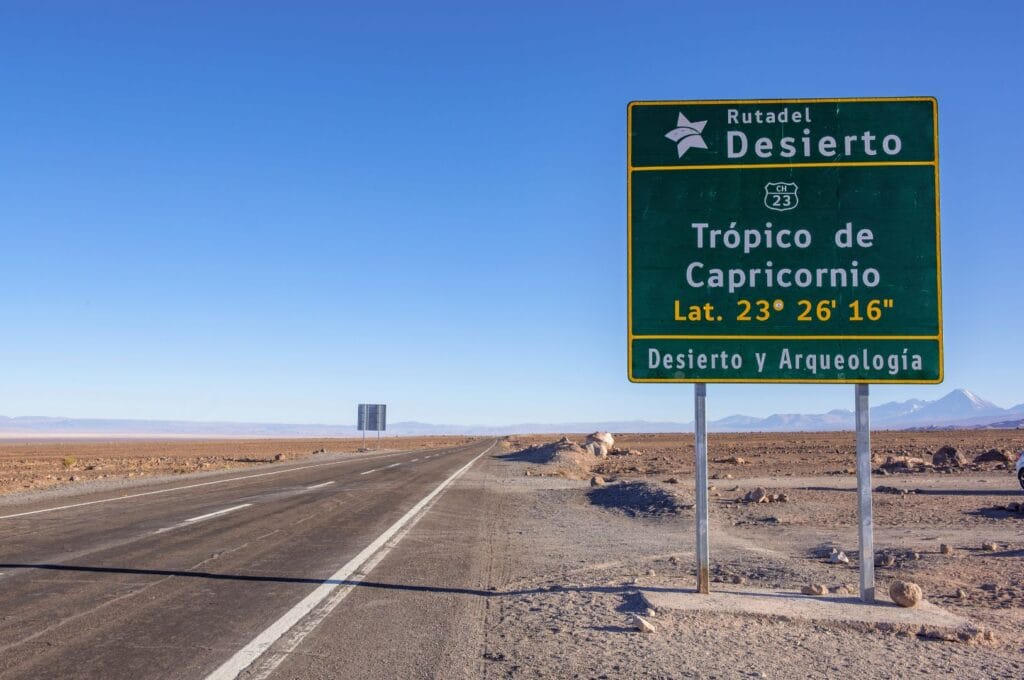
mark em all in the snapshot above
pixel 959 408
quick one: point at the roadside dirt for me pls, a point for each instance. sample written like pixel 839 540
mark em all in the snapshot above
pixel 579 558
pixel 45 464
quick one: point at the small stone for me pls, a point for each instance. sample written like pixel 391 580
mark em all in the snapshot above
pixel 838 557
pixel 673 559
pixel 758 495
pixel 650 612
pixel 597 480
pixel 946 549
pixel 278 457
pixel 915 556
pixel 74 478
pixel 672 480
pixel 961 594
pixel 727 477
pixel 642 624
pixel 738 580
pixel 782 498
pixel 905 593
pixel 886 561
pixel 990 546
pixel 650 572
pixel 842 590
pixel 815 589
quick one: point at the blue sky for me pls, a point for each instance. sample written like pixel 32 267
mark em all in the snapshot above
pixel 273 211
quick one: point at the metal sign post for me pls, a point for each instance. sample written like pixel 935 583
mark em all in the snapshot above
pixel 700 447
pixel 372 417
pixel 866 531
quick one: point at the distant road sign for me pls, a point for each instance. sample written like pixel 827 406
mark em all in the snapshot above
pixel 372 417
pixel 784 241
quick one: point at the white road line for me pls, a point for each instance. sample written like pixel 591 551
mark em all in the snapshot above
pixel 193 520
pixel 200 518
pixel 392 465
pixel 414 460
pixel 369 471
pixel 244 657
pixel 319 486
pixel 187 486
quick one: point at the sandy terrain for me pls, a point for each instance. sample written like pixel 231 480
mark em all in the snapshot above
pixel 580 554
pixel 46 463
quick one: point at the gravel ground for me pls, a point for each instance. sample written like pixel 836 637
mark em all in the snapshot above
pixel 574 563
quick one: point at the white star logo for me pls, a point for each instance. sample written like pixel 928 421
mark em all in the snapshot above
pixel 687 135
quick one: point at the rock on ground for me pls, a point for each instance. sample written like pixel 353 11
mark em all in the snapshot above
pixel 905 593
pixel 948 456
pixel 838 557
pixel 642 624
pixel 601 438
pixel 996 456
pixel 758 495
pixel 814 589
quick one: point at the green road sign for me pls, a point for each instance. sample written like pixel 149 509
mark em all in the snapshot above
pixel 784 241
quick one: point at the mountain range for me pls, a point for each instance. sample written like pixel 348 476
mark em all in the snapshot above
pixel 959 409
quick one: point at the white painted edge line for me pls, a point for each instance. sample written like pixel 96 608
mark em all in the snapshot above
pixel 414 460
pixel 270 660
pixel 191 486
pixel 392 465
pixel 369 471
pixel 244 657
pixel 319 486
pixel 218 513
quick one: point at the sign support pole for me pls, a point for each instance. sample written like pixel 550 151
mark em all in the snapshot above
pixel 700 433
pixel 867 541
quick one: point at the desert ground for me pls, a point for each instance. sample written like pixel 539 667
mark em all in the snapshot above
pixel 40 464
pixel 572 540
pixel 605 544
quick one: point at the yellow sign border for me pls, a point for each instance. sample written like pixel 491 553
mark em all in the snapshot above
pixel 630 169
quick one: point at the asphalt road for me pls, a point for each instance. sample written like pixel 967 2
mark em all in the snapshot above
pixel 359 567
